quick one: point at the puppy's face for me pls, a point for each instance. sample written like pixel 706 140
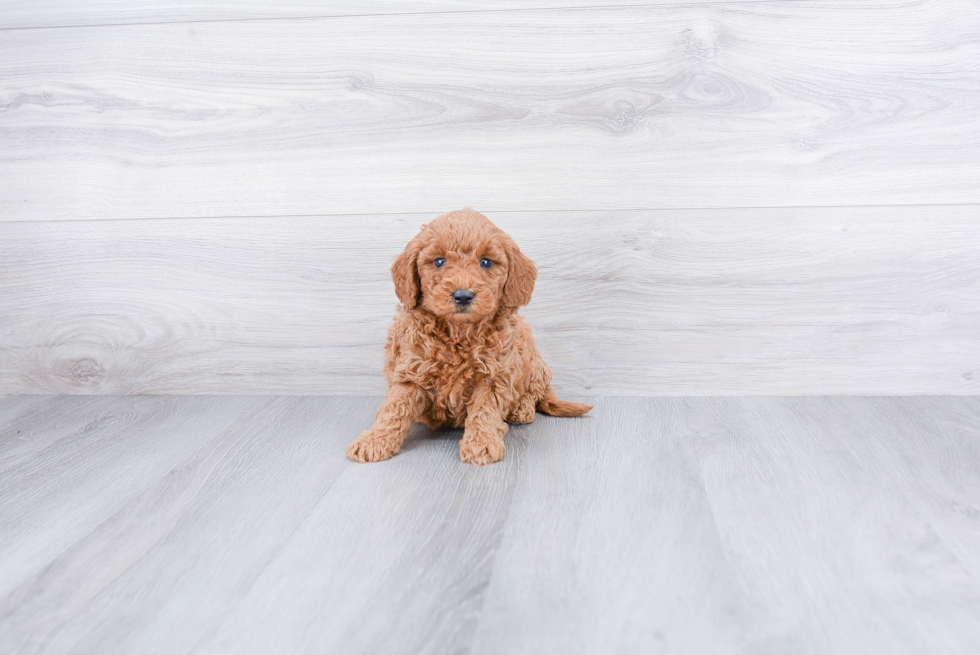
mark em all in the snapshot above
pixel 462 281
pixel 463 268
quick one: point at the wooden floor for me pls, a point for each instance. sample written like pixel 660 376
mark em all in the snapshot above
pixel 685 525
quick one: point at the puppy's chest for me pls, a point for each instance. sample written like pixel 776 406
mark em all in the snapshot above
pixel 451 370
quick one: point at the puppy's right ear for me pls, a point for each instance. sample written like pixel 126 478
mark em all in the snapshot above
pixel 405 274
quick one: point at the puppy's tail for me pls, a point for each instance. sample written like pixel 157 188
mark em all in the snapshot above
pixel 552 405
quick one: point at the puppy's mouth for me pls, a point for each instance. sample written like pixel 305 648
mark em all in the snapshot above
pixel 462 313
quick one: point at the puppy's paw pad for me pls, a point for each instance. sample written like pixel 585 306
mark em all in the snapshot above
pixel 481 452
pixel 370 448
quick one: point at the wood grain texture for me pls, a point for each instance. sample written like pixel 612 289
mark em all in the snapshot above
pixel 742 525
pixel 696 302
pixel 611 545
pixel 33 423
pixel 76 479
pixel 718 105
pixel 22 14
pixel 803 525
pixel 372 592
pixel 934 451
pixel 201 532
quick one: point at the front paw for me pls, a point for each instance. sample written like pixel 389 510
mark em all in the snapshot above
pixel 481 450
pixel 371 447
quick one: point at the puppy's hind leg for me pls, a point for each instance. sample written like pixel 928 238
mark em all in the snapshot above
pixel 523 411
pixel 402 407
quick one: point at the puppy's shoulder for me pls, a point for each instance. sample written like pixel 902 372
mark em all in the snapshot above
pixel 401 325
pixel 515 330
pixel 410 326
pixel 517 324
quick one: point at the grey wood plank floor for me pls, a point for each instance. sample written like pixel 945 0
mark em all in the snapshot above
pixel 235 524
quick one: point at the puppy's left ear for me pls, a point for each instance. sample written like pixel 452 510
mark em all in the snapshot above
pixel 521 274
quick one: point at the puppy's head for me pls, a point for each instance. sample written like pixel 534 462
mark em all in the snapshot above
pixel 463 268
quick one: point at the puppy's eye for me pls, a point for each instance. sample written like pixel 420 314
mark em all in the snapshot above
pixel 486 263
pixel 439 262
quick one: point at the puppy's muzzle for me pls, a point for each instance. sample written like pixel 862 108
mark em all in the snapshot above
pixel 463 297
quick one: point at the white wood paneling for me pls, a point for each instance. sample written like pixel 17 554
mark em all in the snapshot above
pixel 866 300
pixel 754 104
pixel 827 526
pixel 65 13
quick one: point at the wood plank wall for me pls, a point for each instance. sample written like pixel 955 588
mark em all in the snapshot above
pixel 723 198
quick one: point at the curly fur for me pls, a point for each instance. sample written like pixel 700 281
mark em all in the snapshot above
pixel 473 366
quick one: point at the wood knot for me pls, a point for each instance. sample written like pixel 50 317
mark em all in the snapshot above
pixel 86 373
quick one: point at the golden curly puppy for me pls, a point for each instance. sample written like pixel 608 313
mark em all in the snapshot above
pixel 458 354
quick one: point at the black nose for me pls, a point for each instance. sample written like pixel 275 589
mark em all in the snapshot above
pixel 462 296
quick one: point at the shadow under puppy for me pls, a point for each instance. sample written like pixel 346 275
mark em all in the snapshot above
pixel 458 354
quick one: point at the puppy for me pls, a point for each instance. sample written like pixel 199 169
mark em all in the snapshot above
pixel 458 354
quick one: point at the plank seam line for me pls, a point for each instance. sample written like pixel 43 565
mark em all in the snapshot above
pixel 410 13
pixel 433 214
